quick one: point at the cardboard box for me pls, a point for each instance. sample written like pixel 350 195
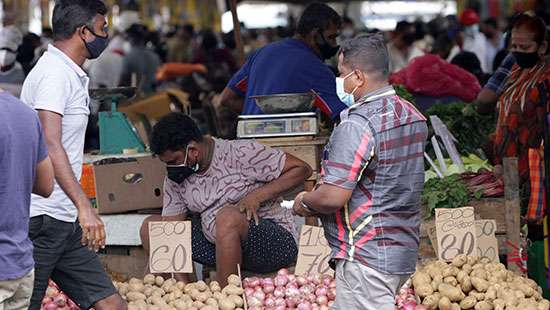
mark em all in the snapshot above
pixel 129 184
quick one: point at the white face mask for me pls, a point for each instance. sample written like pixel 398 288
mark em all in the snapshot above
pixel 7 58
pixel 346 98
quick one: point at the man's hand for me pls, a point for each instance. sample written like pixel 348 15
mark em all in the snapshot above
pixel 250 204
pixel 297 209
pixel 93 229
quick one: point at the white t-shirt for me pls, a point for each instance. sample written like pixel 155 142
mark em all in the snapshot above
pixel 59 85
pixel 477 45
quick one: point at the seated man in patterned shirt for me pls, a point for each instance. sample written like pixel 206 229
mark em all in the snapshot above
pixel 372 179
pixel 233 189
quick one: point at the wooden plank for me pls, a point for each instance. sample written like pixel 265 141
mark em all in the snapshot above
pixel 237 32
pixel 512 203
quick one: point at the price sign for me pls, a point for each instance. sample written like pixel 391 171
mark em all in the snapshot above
pixel 456 233
pixel 170 247
pixel 313 252
pixel 487 244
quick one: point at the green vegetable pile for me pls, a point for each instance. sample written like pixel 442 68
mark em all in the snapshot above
pixel 470 128
pixel 448 192
pixel 472 163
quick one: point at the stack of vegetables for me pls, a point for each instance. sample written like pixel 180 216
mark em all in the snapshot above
pixel 288 291
pixel 475 283
pixel 55 299
pixel 155 293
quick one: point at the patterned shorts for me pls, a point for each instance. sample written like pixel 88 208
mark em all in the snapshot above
pixel 268 248
pixel 16 294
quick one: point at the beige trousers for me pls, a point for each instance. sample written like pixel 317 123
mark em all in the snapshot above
pixel 16 294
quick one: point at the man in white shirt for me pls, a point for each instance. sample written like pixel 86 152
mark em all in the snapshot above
pixel 474 40
pixel 65 230
pixel 401 49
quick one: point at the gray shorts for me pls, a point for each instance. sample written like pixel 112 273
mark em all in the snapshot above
pixel 361 287
pixel 16 294
pixel 59 255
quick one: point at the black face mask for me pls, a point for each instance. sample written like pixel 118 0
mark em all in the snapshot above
pixel 526 60
pixel 327 50
pixel 409 38
pixel 178 173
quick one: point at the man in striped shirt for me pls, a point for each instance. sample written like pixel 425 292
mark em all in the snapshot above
pixel 372 179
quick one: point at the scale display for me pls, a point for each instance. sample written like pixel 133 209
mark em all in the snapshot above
pixel 282 125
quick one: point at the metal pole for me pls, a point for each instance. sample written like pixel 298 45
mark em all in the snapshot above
pixel 237 32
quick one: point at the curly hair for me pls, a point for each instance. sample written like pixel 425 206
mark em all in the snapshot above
pixel 173 132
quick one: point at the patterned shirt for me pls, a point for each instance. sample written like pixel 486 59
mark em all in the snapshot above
pixel 237 168
pixel 497 82
pixel 377 151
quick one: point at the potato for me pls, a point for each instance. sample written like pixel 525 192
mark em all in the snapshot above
pixel 149 279
pixel 499 304
pixel 201 286
pixel 207 307
pixel 461 275
pixel 134 281
pixel 159 281
pixel 479 273
pixel 459 260
pixel 466 285
pixel 528 304
pixel 133 296
pixel 212 302
pixel 433 271
pixel 233 290
pixel 158 292
pixel 234 280
pixel 202 297
pixel 194 293
pixel 180 285
pixel 444 303
pixel 187 289
pixel 218 296
pixel 479 284
pixel 438 279
pixel 136 287
pixel 455 306
pixel 472 260
pixel 485 260
pixel 491 294
pixel 483 305
pixel 453 293
pixel 450 272
pixel 421 278
pixel 468 303
pixel 467 268
pixel 450 280
pixel 148 291
pixel 141 304
pixel 526 289
pixel 180 305
pixel 424 290
pixel 543 305
pixel 153 307
pixel 198 304
pixel 123 289
pixel 431 301
pixel 132 306
pixel 237 300
pixel 227 305
pixel 519 294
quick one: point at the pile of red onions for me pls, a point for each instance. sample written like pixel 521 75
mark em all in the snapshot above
pixel 406 300
pixel 288 291
pixel 55 299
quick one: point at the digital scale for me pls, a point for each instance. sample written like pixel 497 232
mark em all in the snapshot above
pixel 287 115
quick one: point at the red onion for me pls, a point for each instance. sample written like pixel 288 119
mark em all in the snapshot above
pixel 254 302
pixel 269 288
pixel 420 307
pixel 326 280
pixel 283 307
pixel 293 285
pixel 280 280
pixel 332 284
pixel 315 307
pixel 269 302
pixel 324 307
pixel 291 302
pixel 330 303
pixel 267 281
pixel 307 289
pixel 322 300
pixel 248 291
pixel 301 281
pixel 408 305
pixel 279 292
pixel 280 301
pixel 60 300
pixel 259 294
pixel 50 306
pixel 321 291
pixel 252 282
pixel 283 272
pixel 311 298
pixel 331 293
pixel 304 305
pixel 292 292
pixel 291 278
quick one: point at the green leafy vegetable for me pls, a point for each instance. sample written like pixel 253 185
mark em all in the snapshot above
pixel 449 192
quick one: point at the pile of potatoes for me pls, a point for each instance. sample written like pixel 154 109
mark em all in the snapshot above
pixel 155 293
pixel 475 283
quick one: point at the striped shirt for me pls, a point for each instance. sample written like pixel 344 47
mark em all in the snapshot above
pixel 377 151
pixel 237 168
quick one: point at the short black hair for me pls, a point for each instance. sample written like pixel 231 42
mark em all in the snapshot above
pixel 173 132
pixel 317 16
pixel 403 26
pixel 68 15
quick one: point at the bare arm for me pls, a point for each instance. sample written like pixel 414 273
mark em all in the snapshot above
pixel 232 100
pixel 92 226
pixel 43 181
pixel 486 100
pixel 294 173
pixel 326 199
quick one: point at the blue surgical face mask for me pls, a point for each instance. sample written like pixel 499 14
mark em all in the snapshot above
pixel 346 98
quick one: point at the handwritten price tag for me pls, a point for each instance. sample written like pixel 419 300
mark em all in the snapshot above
pixel 313 252
pixel 487 244
pixel 170 247
pixel 456 233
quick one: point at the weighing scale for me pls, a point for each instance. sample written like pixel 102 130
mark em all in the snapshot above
pixel 116 132
pixel 286 115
